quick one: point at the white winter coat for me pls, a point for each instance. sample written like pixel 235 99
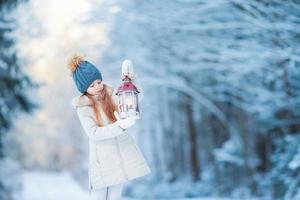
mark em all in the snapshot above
pixel 114 156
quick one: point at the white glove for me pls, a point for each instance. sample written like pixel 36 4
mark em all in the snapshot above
pixel 125 123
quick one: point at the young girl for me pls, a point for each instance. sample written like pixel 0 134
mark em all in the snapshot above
pixel 114 156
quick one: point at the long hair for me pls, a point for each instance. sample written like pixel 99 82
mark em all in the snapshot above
pixel 106 103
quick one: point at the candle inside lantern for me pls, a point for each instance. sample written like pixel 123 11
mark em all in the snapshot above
pixel 129 101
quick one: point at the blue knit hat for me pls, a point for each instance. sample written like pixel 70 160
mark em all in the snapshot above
pixel 85 74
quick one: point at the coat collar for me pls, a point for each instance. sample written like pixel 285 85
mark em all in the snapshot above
pixel 83 100
pixel 80 100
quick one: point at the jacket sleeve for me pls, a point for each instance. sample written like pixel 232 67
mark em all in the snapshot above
pixel 95 132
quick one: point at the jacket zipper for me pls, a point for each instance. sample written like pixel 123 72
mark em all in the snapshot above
pixel 116 140
pixel 98 163
pixel 90 184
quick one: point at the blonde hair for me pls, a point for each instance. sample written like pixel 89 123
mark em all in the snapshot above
pixel 107 105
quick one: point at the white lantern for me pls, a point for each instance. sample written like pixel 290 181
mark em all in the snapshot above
pixel 128 99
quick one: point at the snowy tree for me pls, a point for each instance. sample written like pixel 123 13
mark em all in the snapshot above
pixel 226 76
pixel 14 99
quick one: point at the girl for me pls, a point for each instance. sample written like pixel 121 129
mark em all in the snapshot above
pixel 114 156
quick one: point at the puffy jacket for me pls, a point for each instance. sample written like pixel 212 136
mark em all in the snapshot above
pixel 114 156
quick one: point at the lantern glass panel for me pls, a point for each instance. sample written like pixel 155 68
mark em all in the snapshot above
pixel 136 98
pixel 128 104
pixel 129 99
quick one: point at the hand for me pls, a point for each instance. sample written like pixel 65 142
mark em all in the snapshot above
pixel 125 123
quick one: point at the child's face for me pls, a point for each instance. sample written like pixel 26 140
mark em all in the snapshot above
pixel 96 87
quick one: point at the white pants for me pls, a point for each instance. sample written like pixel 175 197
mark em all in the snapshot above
pixel 113 192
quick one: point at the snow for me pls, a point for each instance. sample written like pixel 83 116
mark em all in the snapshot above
pixel 295 163
pixel 51 186
pixel 236 62
pixel 39 185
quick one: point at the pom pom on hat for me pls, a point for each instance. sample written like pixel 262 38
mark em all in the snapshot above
pixel 74 62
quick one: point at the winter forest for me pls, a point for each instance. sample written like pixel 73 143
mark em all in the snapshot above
pixel 220 116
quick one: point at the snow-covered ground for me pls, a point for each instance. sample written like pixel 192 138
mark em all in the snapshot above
pixel 39 185
pixel 51 186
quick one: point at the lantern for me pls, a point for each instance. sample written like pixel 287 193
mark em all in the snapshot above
pixel 128 99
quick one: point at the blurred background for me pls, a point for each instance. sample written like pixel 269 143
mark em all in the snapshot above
pixel 220 116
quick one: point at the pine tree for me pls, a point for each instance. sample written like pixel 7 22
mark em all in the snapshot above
pixel 13 86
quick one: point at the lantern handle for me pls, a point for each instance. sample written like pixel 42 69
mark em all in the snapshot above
pixel 127 69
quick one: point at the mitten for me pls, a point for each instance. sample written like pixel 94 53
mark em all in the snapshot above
pixel 125 123
pixel 128 122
